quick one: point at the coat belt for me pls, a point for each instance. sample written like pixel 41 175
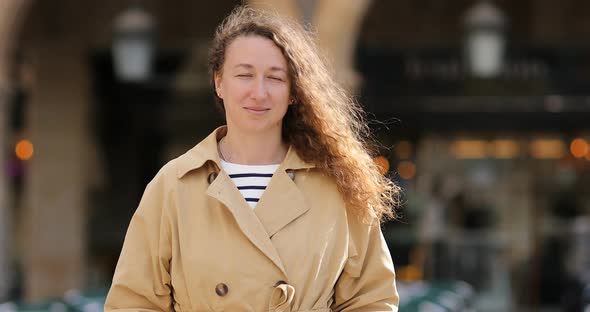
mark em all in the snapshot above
pixel 281 300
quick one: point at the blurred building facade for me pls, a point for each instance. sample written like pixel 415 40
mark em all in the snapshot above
pixel 493 169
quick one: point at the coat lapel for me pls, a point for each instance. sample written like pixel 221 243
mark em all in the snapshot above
pixel 225 191
pixel 281 203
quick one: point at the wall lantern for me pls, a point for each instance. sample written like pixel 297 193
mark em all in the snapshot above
pixel 485 39
pixel 133 44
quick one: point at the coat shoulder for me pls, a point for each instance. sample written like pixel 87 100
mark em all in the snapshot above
pixel 167 173
pixel 176 168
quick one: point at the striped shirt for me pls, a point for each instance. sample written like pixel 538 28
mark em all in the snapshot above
pixel 251 180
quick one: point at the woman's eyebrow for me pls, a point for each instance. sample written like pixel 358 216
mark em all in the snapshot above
pixel 250 66
pixel 276 68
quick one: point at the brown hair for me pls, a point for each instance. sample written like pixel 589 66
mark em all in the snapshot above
pixel 325 125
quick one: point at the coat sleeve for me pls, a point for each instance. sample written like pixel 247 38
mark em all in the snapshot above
pixel 367 282
pixel 142 277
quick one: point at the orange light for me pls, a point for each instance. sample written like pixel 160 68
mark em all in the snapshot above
pixel 469 149
pixel 382 163
pixel 410 273
pixel 406 169
pixel 588 156
pixel 504 148
pixel 579 147
pixel 403 150
pixel 547 148
pixel 24 150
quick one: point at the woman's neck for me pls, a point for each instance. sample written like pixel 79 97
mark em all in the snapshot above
pixel 259 149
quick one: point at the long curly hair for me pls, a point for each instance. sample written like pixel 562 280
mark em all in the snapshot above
pixel 325 125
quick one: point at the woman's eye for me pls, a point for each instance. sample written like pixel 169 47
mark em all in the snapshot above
pixel 244 75
pixel 276 78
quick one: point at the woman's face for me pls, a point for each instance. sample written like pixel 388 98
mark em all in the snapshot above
pixel 254 85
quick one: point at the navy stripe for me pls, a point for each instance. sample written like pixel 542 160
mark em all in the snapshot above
pixel 249 199
pixel 252 187
pixel 251 175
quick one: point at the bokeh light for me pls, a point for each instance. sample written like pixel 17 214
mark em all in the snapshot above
pixel 579 147
pixel 469 149
pixel 403 150
pixel 547 148
pixel 24 150
pixel 406 170
pixel 382 163
pixel 504 148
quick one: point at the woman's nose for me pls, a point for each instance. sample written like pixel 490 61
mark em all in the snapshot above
pixel 259 90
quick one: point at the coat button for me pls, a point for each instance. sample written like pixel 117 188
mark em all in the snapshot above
pixel 221 289
pixel 280 283
pixel 291 174
pixel 212 176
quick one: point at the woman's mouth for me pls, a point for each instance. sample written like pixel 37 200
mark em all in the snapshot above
pixel 256 110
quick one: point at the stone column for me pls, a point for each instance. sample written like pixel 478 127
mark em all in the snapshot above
pixel 56 191
pixel 285 7
pixel 337 23
pixel 5 216
pixel 11 12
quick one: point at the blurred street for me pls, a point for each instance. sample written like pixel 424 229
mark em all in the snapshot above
pixel 481 109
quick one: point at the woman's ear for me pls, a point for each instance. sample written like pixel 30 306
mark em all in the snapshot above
pixel 218 90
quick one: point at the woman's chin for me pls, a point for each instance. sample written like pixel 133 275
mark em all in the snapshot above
pixel 259 126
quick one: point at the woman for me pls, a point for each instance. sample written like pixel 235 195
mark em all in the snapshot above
pixel 277 211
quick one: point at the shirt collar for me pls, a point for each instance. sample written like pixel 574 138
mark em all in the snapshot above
pixel 207 150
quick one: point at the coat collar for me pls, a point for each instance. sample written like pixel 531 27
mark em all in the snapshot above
pixel 281 203
pixel 207 150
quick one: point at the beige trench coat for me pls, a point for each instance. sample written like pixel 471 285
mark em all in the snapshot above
pixel 194 244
